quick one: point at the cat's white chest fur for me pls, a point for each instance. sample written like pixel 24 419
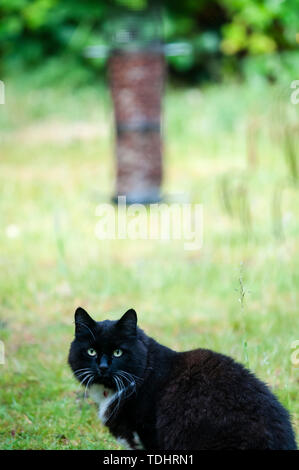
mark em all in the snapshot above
pixel 104 397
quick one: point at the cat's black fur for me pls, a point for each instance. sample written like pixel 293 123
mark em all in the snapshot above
pixel 177 400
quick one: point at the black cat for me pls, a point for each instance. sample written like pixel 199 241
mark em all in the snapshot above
pixel 151 397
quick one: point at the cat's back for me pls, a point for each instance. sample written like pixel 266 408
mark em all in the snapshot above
pixel 211 402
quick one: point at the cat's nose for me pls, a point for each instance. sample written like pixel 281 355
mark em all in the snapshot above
pixel 103 365
pixel 103 369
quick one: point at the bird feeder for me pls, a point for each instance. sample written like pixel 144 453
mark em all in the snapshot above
pixel 136 75
pixel 136 82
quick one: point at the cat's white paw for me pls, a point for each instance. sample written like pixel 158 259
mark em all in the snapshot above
pixel 135 445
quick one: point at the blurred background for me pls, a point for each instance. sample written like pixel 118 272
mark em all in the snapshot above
pixel 229 38
pixel 226 120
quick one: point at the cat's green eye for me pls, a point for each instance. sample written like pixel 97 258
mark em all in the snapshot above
pixel 117 352
pixel 91 352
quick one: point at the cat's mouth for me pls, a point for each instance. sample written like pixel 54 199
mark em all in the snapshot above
pixel 107 385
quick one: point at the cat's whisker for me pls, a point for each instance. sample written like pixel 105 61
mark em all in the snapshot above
pixel 118 375
pixel 118 393
pixel 131 383
pixel 117 397
pixel 136 378
pixel 91 378
pixel 79 370
pixel 125 374
pixel 130 379
pixel 79 374
pixel 121 390
pixel 81 383
pixel 84 379
pixel 83 373
pixel 133 375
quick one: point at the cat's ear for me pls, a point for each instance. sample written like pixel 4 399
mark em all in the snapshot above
pixel 83 322
pixel 128 322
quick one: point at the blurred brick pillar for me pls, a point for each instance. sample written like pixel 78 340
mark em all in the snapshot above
pixel 136 82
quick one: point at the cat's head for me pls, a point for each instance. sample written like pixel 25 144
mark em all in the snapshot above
pixel 108 352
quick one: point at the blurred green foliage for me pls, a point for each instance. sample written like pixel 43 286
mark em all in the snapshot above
pixel 225 35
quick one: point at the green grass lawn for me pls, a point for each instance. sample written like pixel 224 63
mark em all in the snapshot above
pixel 230 148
